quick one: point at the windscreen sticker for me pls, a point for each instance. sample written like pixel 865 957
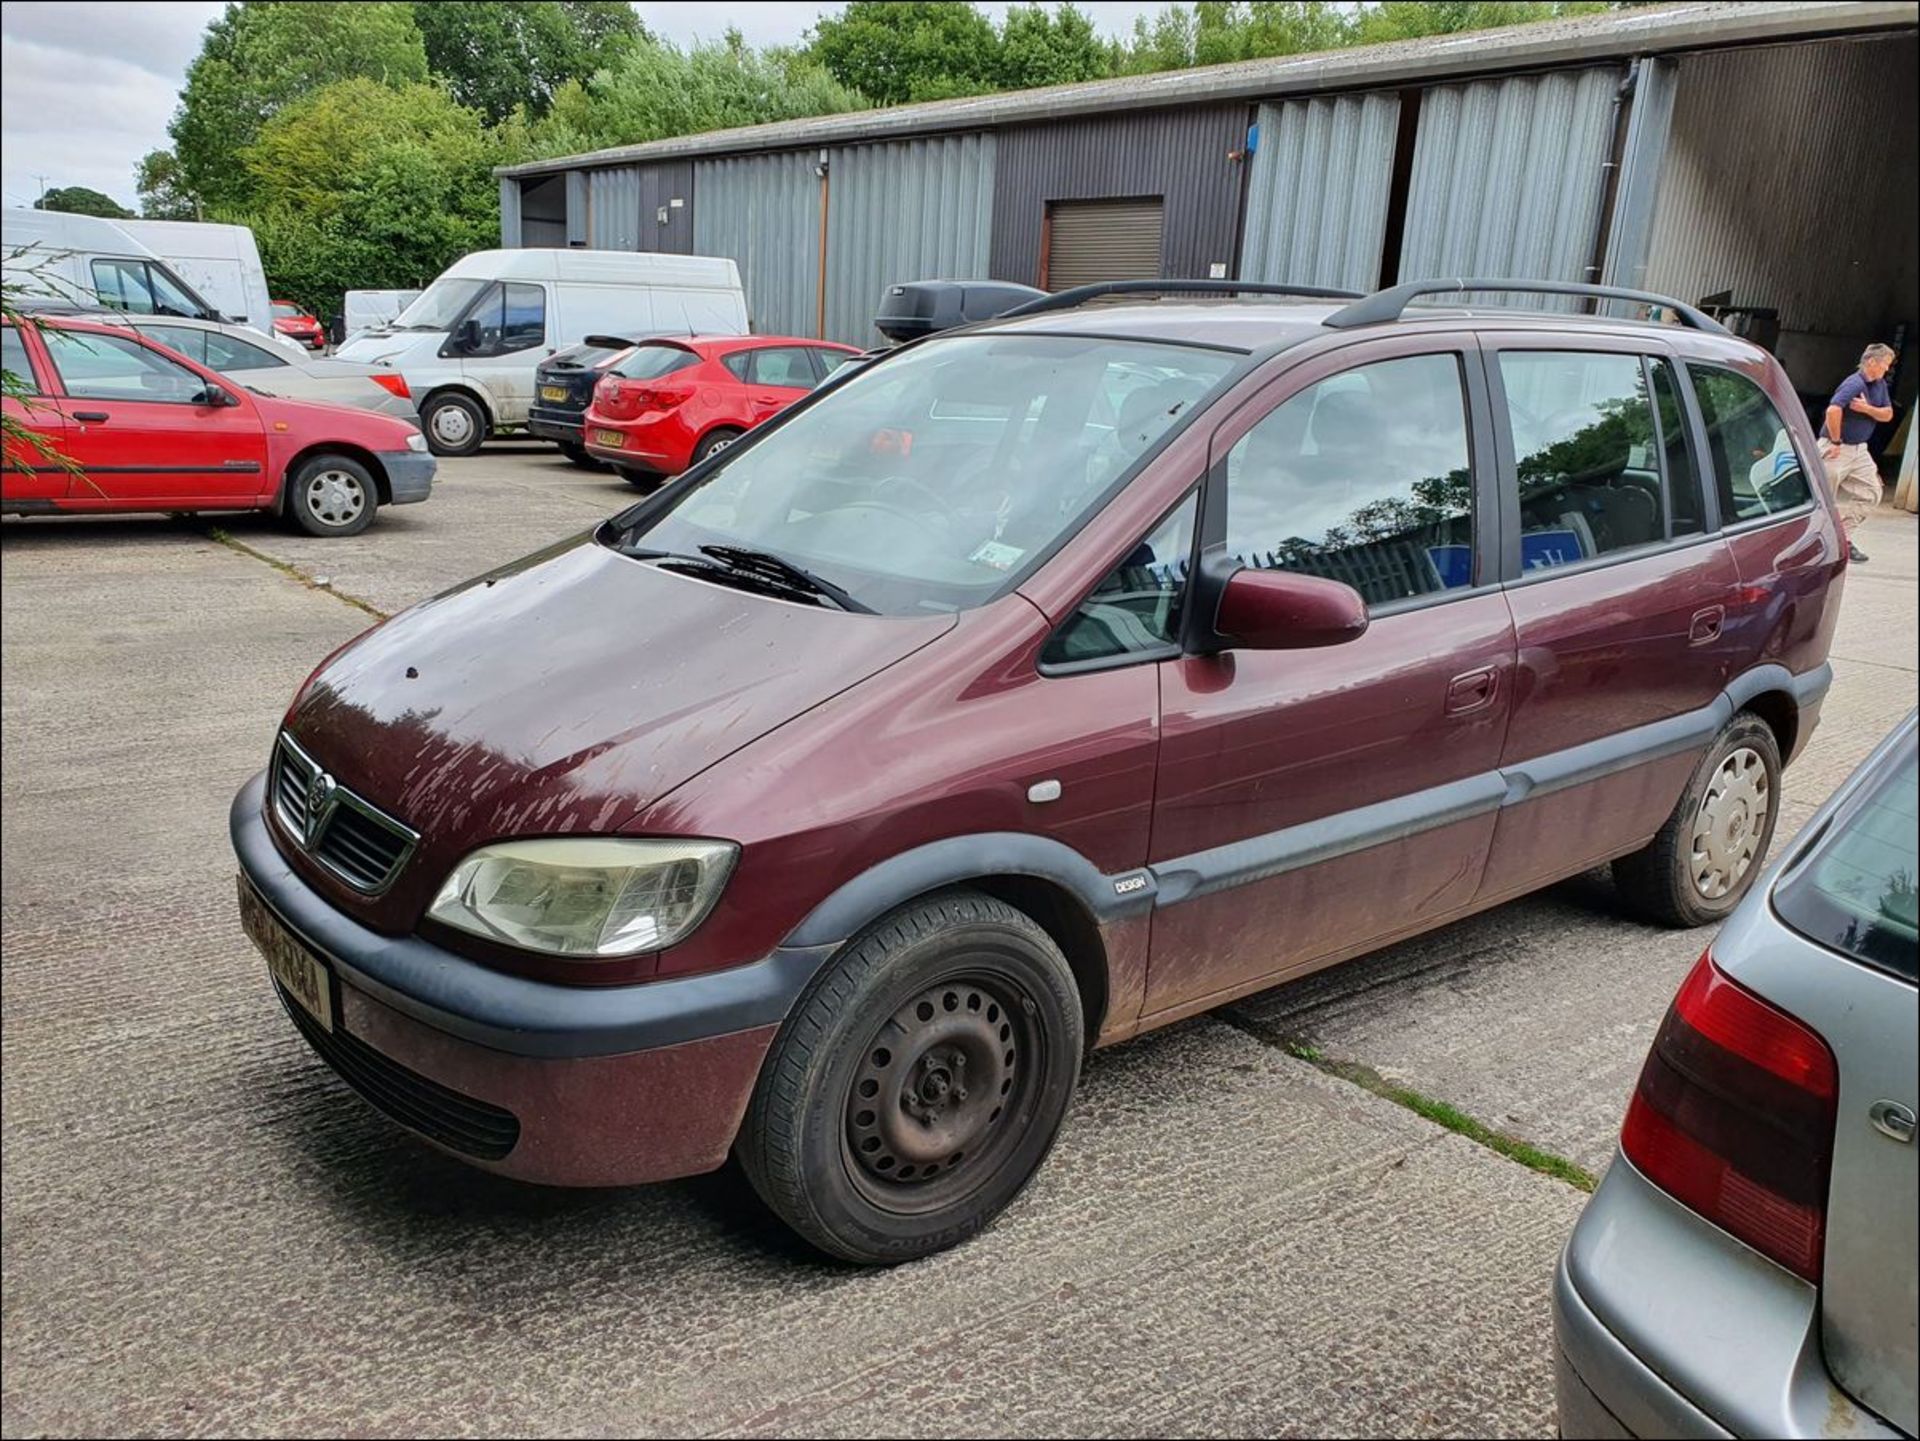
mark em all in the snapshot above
pixel 997 556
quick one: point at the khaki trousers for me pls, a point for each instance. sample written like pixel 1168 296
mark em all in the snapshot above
pixel 1856 485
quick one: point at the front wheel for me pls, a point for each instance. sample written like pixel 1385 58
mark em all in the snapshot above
pixel 918 1083
pixel 332 495
pixel 1712 848
pixel 455 424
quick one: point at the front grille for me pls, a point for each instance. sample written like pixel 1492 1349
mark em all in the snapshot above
pixel 354 839
pixel 458 1122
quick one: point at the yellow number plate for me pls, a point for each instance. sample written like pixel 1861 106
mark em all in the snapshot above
pixel 553 392
pixel 612 439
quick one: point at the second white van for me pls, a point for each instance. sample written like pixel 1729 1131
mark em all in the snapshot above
pixel 222 262
pixel 469 346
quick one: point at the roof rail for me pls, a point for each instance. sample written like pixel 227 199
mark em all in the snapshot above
pixel 1081 294
pixel 1386 305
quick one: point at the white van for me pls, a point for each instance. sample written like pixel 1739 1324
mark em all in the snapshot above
pixel 83 258
pixel 221 262
pixel 363 311
pixel 469 346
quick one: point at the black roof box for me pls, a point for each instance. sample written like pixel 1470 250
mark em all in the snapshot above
pixel 921 307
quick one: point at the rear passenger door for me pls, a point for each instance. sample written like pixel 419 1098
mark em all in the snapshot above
pixel 1312 802
pixel 776 377
pixel 1620 590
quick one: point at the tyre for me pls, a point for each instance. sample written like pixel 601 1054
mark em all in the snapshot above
pixel 717 440
pixel 332 495
pixel 1714 845
pixel 644 480
pixel 918 1083
pixel 574 451
pixel 455 424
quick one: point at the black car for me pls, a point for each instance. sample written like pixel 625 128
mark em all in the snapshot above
pixel 563 387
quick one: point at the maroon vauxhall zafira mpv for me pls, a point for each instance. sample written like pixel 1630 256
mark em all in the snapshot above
pixel 1046 682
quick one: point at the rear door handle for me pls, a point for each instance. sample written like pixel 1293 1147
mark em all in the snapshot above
pixel 93 416
pixel 1706 625
pixel 1470 692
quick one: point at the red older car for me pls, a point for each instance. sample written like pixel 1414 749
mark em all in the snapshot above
pixel 670 403
pixel 149 430
pixel 296 324
pixel 1046 682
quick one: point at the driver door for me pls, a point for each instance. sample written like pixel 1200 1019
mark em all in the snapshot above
pixel 513 335
pixel 135 429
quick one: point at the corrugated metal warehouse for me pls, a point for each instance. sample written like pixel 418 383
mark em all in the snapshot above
pixel 1763 150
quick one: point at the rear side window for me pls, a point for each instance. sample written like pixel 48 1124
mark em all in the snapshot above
pixel 1585 454
pixel 1856 894
pixel 183 338
pixel 226 352
pixel 1135 611
pixel 1755 467
pixel 1363 477
pixel 830 360
pixel 1684 490
pixel 650 362
pixel 786 367
pixel 738 364
pixel 13 359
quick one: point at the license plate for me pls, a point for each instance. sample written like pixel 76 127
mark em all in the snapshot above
pixel 613 439
pixel 553 392
pixel 301 973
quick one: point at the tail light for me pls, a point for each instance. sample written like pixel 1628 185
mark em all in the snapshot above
pixel 394 383
pixel 627 396
pixel 1734 1118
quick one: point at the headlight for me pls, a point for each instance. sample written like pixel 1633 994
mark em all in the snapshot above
pixel 586 897
pixel 416 441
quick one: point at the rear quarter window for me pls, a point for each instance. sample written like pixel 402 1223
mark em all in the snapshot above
pixel 1856 893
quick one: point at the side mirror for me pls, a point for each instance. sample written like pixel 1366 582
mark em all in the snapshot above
pixel 216 397
pixel 469 335
pixel 1283 610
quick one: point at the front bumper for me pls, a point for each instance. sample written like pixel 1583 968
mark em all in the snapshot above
pixel 409 474
pixel 584 1086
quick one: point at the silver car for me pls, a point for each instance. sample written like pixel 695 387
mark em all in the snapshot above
pixel 248 358
pixel 1747 1267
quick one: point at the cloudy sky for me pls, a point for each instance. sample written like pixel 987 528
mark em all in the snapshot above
pixel 89 86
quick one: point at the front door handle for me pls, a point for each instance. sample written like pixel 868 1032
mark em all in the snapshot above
pixel 1705 628
pixel 91 416
pixel 1472 691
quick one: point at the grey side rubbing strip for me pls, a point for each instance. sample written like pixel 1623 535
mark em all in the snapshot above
pixel 1258 857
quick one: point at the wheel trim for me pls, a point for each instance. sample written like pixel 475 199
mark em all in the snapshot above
pixel 451 424
pixel 336 497
pixel 1730 824
pixel 933 1105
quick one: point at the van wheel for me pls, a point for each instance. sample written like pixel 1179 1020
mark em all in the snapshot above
pixel 332 495
pixel 1714 845
pixel 718 440
pixel 455 424
pixel 574 451
pixel 918 1083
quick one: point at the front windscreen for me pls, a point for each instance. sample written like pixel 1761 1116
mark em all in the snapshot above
pixel 935 480
pixel 439 305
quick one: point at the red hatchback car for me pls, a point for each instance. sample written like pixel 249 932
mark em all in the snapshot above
pixel 150 430
pixel 1045 682
pixel 291 321
pixel 670 403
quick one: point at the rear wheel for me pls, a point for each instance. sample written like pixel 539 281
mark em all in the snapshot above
pixel 455 424
pixel 919 1082
pixel 1712 848
pixel 332 495
pixel 717 440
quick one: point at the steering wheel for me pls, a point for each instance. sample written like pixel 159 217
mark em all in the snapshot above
pixel 919 518
pixel 920 488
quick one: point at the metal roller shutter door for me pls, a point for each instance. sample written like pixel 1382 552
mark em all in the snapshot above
pixel 1094 240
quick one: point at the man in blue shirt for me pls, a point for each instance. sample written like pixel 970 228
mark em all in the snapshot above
pixel 1857 406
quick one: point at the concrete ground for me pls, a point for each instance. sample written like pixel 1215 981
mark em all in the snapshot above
pixel 205 1233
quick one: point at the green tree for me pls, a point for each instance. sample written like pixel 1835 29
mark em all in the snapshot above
pixel 656 90
pixel 1410 19
pixel 162 191
pixel 1165 44
pixel 79 200
pixel 364 185
pixel 894 51
pixel 1058 48
pixel 497 57
pixel 262 55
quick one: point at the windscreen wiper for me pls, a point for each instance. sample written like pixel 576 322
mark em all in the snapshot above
pixel 779 568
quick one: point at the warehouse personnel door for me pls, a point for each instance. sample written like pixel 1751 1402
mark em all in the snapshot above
pixel 1086 241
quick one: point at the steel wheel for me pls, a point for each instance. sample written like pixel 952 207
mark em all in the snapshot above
pixel 335 497
pixel 452 426
pixel 1729 823
pixel 924 1114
